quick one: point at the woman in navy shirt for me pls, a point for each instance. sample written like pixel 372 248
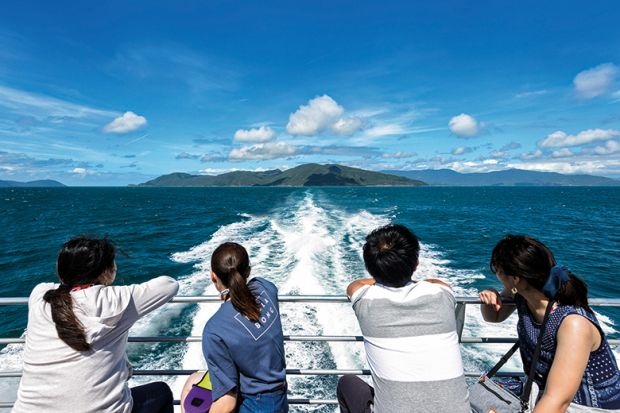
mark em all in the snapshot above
pixel 576 367
pixel 243 342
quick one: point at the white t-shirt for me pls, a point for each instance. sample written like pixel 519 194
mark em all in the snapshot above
pixel 412 347
pixel 57 378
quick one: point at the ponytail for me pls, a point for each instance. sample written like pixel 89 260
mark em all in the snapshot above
pixel 242 298
pixel 69 328
pixel 231 264
pixel 574 292
pixel 82 260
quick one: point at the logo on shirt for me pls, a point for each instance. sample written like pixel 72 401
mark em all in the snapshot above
pixel 268 315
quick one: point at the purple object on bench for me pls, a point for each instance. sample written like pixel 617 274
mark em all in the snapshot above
pixel 199 398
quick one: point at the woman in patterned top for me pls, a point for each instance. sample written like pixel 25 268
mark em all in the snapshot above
pixel 577 370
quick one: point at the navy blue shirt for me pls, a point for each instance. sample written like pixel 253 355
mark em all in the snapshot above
pixel 600 384
pixel 242 355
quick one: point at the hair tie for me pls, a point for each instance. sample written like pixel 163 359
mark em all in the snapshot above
pixel 65 286
pixel 557 277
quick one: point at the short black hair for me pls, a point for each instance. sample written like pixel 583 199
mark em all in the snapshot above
pixel 391 254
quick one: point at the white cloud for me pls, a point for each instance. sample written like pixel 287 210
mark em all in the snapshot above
pixel 215 171
pixel 531 94
pixel 561 138
pixel 263 151
pixel 464 126
pixel 319 114
pixel 261 134
pixel 609 148
pixel 125 123
pixel 584 167
pixel 595 81
pixel 470 166
pixel 531 155
pixel 562 153
pixel 347 126
pixel 398 155
pixel 32 104
pixel 79 171
pixel 385 130
pixel 461 150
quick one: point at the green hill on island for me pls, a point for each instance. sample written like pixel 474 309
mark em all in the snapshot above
pixel 303 175
pixel 44 183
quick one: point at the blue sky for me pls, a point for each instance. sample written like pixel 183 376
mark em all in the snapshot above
pixel 113 93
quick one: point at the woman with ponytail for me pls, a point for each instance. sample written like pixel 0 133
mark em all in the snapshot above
pixel 242 342
pixel 75 353
pixel 576 369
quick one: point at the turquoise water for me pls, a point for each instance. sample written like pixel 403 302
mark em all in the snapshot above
pixel 309 242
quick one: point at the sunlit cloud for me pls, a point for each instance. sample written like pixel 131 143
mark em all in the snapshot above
pixel 127 122
pixel 320 114
pixel 464 126
pixel 595 81
pixel 347 126
pixel 561 138
pixel 562 153
pixel 609 148
pixel 260 134
pixel 573 167
pixel 262 151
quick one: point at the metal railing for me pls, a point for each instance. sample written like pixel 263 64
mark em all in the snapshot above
pixel 462 303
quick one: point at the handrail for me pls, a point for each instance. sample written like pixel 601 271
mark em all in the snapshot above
pixel 198 339
pixel 462 302
pixel 594 302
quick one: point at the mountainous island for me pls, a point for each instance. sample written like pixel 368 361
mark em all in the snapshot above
pixel 509 177
pixel 303 175
pixel 45 183
pixel 339 175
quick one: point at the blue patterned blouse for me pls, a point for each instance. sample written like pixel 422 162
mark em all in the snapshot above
pixel 600 384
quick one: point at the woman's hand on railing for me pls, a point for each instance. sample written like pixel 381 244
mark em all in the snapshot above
pixel 492 298
pixel 493 309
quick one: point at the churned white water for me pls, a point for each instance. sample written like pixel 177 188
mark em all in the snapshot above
pixel 307 247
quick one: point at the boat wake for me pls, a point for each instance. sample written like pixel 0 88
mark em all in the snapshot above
pixel 308 246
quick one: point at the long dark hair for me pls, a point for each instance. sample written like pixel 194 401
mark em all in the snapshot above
pixel 231 264
pixel 526 257
pixel 80 261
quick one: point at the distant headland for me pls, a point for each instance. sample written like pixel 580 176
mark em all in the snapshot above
pixel 45 183
pixel 508 177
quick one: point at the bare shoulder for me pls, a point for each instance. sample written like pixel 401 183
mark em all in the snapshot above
pixel 437 281
pixel 577 327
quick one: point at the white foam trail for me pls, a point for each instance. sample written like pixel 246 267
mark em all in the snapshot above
pixel 305 249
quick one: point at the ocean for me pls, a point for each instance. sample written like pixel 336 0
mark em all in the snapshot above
pixel 307 241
